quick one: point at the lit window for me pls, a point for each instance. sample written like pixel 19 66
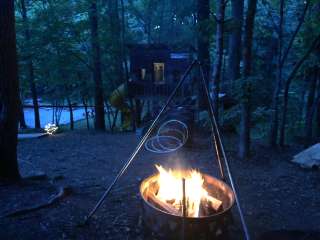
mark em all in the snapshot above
pixel 158 69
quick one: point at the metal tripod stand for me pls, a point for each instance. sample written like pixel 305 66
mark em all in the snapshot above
pixel 219 147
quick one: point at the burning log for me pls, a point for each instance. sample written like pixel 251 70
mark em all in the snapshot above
pixel 165 206
pixel 210 206
pixel 215 203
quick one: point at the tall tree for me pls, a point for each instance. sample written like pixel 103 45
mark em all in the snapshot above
pixel 117 30
pixel 9 93
pixel 248 37
pixel 96 59
pixel 133 109
pixel 244 144
pixel 123 37
pixel 220 15
pixel 274 123
pixel 235 41
pixel 116 40
pixel 317 117
pixel 31 77
pixel 70 113
pixel 22 120
pixel 203 9
pixel 311 103
pixel 287 84
pixel 284 57
pixel 203 42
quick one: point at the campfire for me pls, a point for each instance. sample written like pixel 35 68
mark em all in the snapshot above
pixel 204 203
pixel 166 192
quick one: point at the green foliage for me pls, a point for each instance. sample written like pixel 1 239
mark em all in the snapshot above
pixel 250 88
pixel 231 118
pixel 57 47
pixel 250 91
pixel 61 52
pixel 154 21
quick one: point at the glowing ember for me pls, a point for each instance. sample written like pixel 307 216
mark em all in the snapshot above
pixel 170 191
pixel 50 128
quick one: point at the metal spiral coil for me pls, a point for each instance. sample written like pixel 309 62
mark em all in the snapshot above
pixel 171 136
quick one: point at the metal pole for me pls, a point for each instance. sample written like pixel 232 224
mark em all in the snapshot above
pixel 184 209
pixel 243 222
pixel 141 143
pixel 212 122
pixel 218 154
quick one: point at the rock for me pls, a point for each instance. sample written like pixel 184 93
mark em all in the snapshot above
pixel 308 158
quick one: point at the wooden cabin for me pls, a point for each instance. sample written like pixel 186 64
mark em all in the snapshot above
pixel 155 69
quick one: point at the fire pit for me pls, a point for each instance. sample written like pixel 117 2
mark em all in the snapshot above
pixel 207 204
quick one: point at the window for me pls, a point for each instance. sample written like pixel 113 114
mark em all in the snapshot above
pixel 158 69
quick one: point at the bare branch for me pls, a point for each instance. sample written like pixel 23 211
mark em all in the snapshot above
pixel 314 44
pixel 301 20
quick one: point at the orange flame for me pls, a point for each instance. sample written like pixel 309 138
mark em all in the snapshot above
pixel 170 189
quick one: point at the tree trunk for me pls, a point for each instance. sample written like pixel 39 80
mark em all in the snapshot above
pixel 109 111
pixel 22 120
pixel 57 113
pixel 32 84
pixel 123 30
pixel 203 9
pixel 318 116
pixel 96 59
pixel 309 107
pixel 203 37
pixel 287 86
pixel 302 97
pixel 9 93
pixel 221 6
pixel 117 45
pixel 71 114
pixel 244 145
pixel 315 105
pixel 53 112
pixel 244 134
pixel 235 42
pixel 125 63
pixel 248 37
pixel 86 112
pixel 274 124
pixel 114 120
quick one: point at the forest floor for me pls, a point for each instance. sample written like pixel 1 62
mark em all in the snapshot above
pixel 275 194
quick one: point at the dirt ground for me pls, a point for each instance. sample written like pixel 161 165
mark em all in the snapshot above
pixel 275 194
